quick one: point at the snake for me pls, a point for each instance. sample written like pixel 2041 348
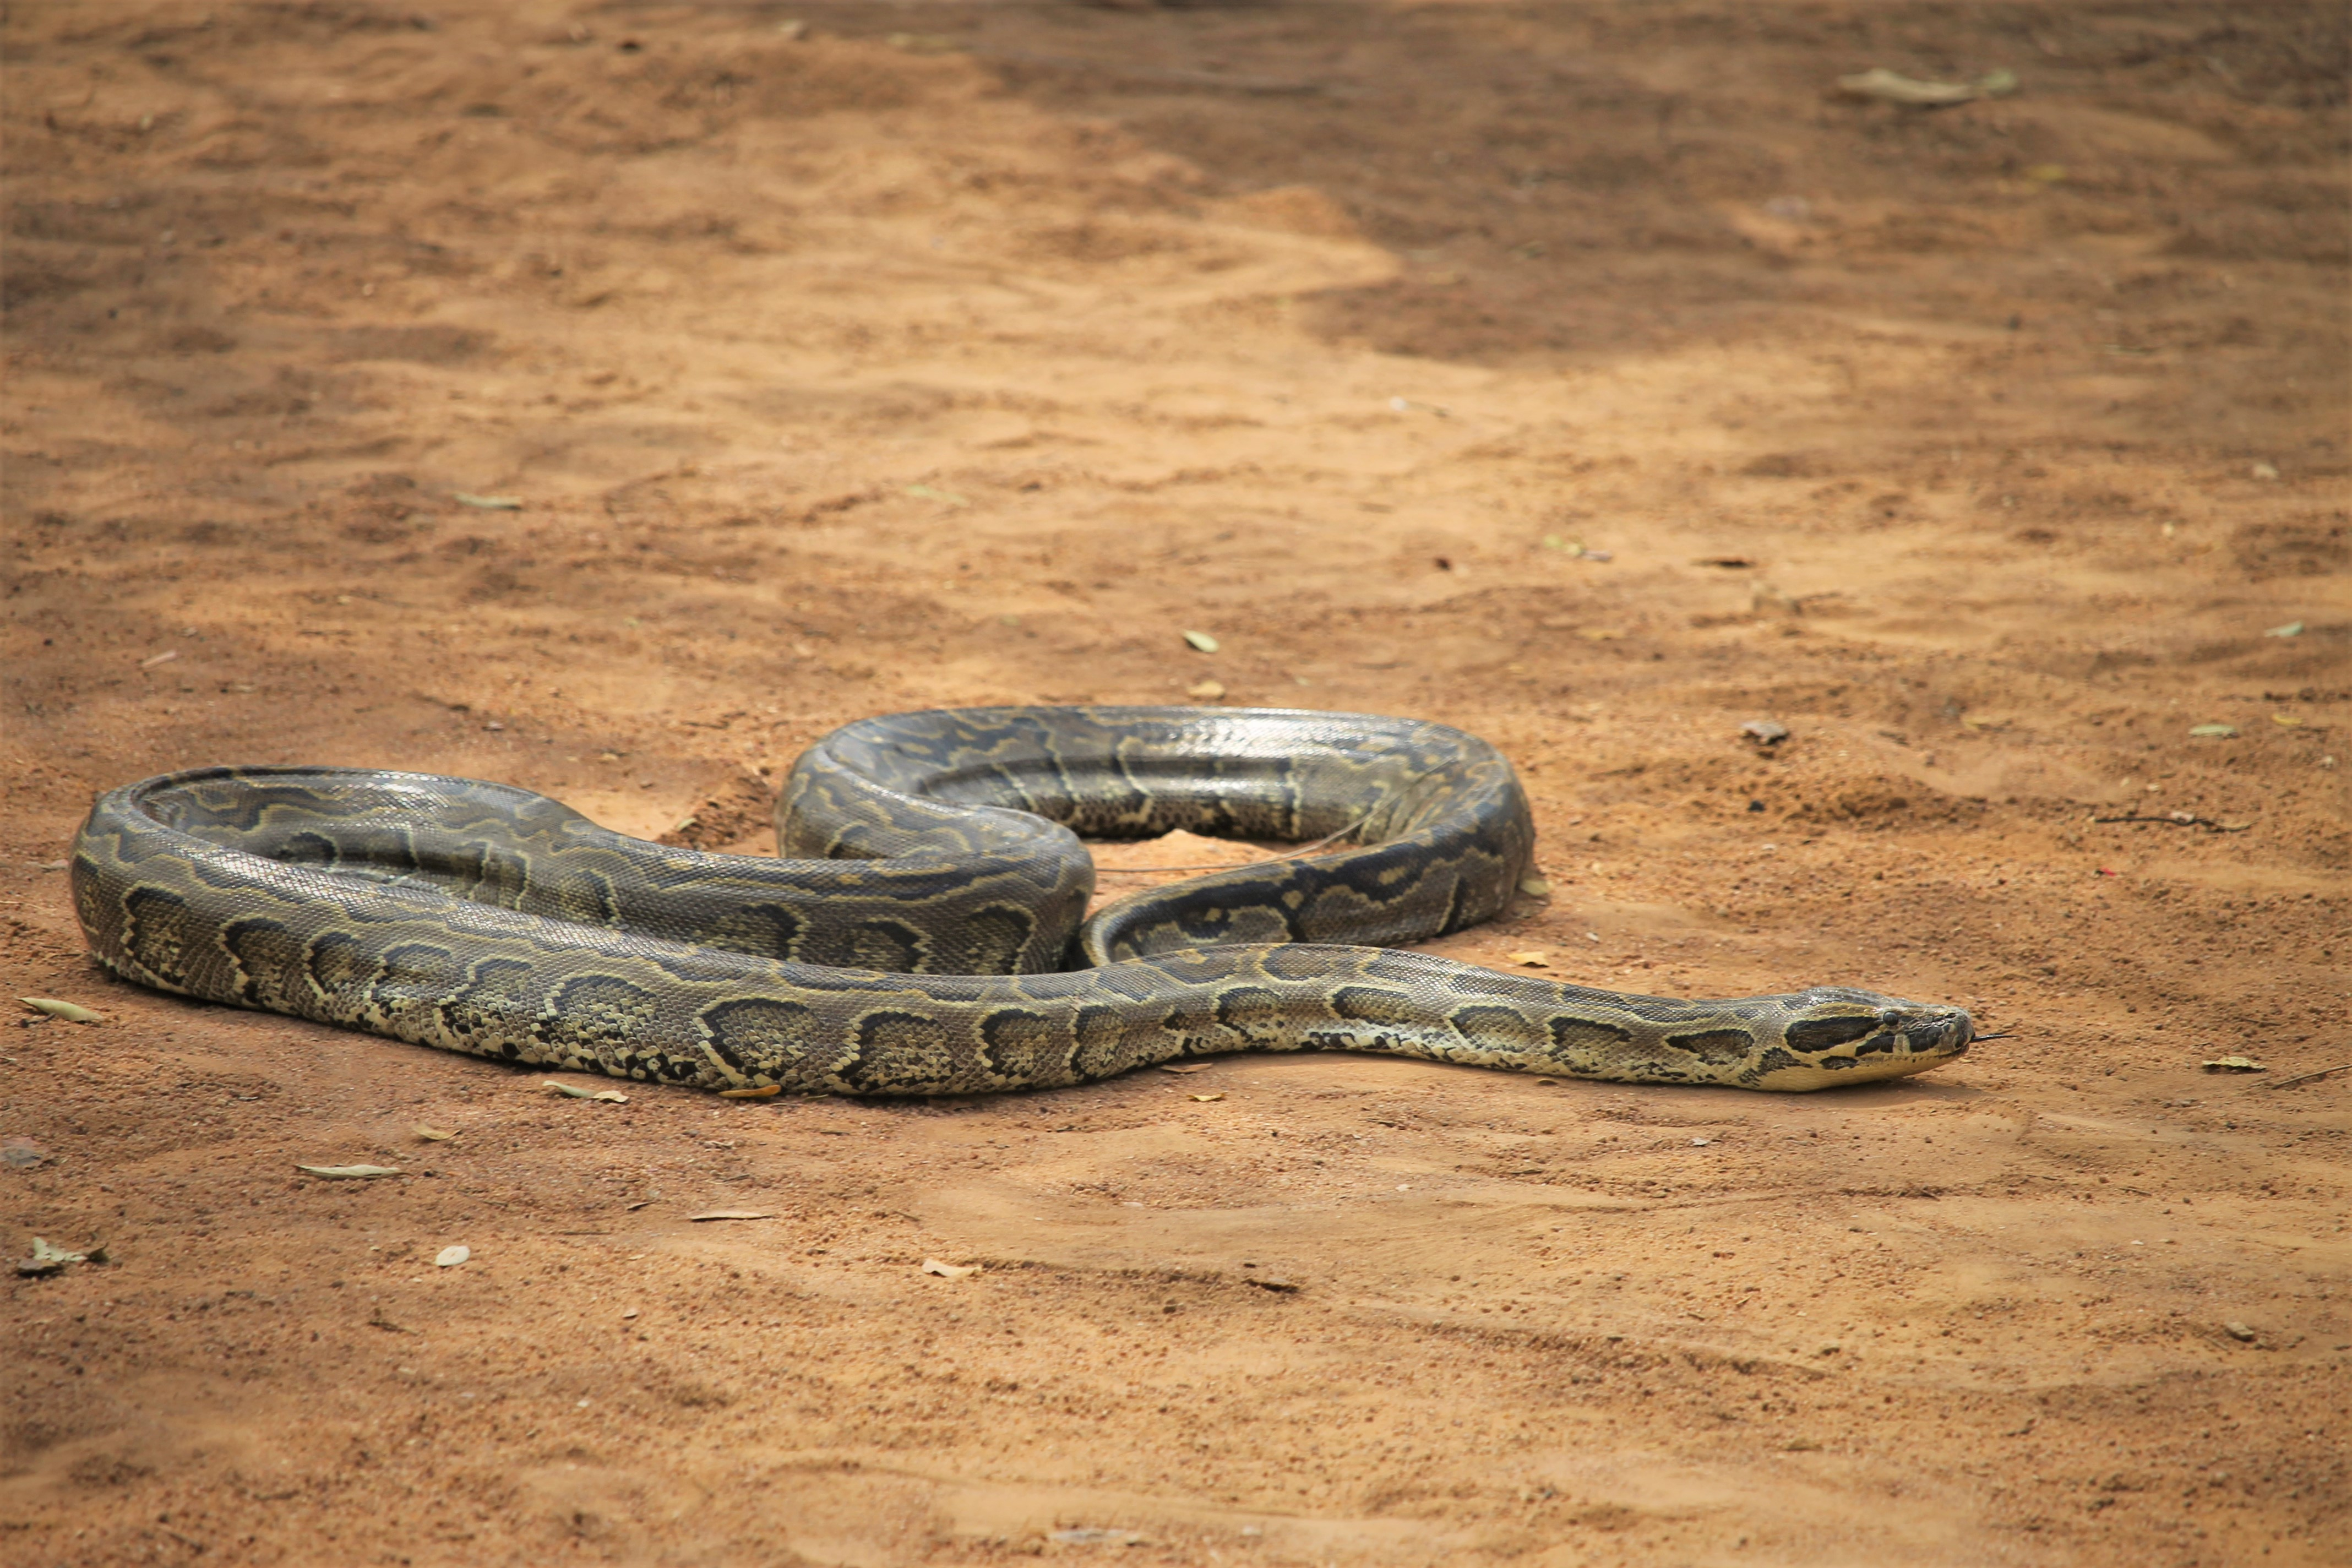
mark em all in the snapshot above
pixel 923 928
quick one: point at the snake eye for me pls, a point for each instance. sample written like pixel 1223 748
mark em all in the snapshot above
pixel 1821 1034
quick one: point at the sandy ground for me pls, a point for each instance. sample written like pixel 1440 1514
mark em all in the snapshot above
pixel 948 353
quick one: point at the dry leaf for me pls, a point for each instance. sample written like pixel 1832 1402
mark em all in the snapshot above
pixel 2292 629
pixel 432 1134
pixel 1535 887
pixel 71 1012
pixel 730 1213
pixel 768 1091
pixel 1206 691
pixel 164 658
pixel 47 1260
pixel 2235 1064
pixel 610 1096
pixel 925 492
pixel 1186 1067
pixel 1531 958
pixel 2288 721
pixel 1202 641
pixel 488 503
pixel 1204 1099
pixel 2220 731
pixel 349 1172
pixel 1892 87
pixel 450 1257
pixel 949 1270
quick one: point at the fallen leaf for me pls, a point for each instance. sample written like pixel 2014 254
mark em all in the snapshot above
pixel 2046 174
pixel 1765 731
pixel 1091 1537
pixel 949 1270
pixel 1186 1067
pixel 1569 547
pixel 1204 1099
pixel 2235 1064
pixel 450 1257
pixel 1532 958
pixel 2292 629
pixel 432 1134
pixel 1893 86
pixel 925 492
pixel 1535 887
pixel 610 1096
pixel 349 1172
pixel 767 1091
pixel 2242 1333
pixel 2287 720
pixel 730 1213
pixel 1206 691
pixel 1202 641
pixel 71 1012
pixel 1273 1282
pixel 2264 470
pixel 489 503
pixel 164 658
pixel 2220 731
pixel 47 1260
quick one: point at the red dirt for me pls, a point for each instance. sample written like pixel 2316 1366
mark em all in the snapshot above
pixel 1985 449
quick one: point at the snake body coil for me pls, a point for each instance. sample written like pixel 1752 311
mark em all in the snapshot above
pixel 916 937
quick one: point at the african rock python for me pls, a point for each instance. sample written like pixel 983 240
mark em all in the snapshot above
pixel 913 939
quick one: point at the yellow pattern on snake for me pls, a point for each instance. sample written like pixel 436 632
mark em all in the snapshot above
pixel 919 934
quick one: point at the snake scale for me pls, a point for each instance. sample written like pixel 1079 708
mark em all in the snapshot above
pixel 924 931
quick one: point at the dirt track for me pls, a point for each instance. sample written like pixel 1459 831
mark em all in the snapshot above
pixel 1989 449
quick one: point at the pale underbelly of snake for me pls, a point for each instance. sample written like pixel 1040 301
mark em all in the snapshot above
pixel 924 931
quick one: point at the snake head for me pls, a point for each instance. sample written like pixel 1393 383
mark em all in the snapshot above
pixel 1832 1035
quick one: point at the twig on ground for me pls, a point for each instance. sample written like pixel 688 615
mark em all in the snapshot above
pixel 2182 819
pixel 2305 1077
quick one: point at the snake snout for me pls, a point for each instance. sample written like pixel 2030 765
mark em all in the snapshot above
pixel 1943 1033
